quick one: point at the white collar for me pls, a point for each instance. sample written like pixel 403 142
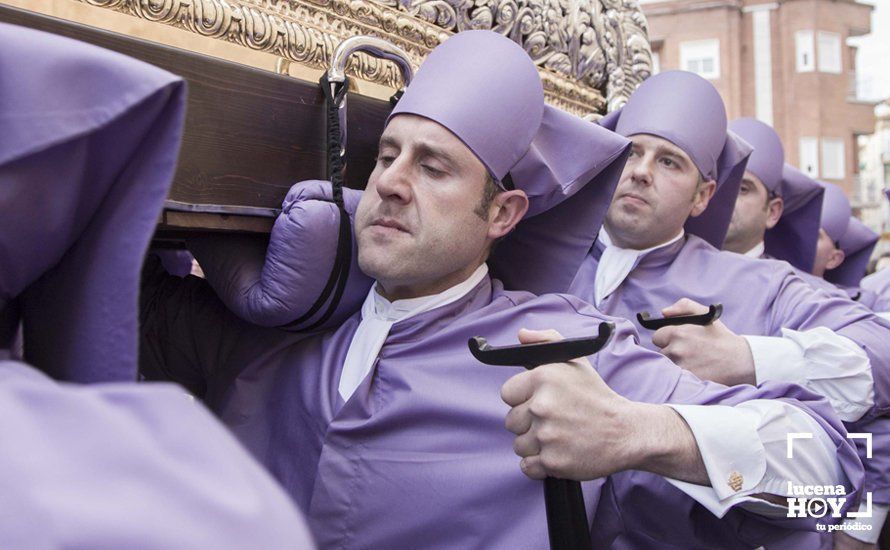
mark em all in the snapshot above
pixel 757 251
pixel 378 317
pixel 616 263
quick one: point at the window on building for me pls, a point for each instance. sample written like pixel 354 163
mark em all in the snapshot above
pixel 806 51
pixel 833 158
pixel 809 156
pixel 656 62
pixel 829 52
pixel 701 57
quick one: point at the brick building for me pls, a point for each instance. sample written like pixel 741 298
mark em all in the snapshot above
pixel 786 62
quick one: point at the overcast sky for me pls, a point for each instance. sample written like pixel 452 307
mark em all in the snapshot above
pixel 873 60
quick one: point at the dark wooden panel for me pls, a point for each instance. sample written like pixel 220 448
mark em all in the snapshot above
pixel 249 134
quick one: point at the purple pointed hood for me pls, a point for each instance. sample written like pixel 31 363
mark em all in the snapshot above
pixel 794 238
pixel 857 243
pixel 836 211
pixel 768 156
pixel 87 154
pixel 687 110
pixel 484 88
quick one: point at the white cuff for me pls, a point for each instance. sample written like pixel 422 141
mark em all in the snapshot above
pixel 731 450
pixel 820 360
pixel 883 315
pixel 867 529
pixel 744 449
pixel 776 358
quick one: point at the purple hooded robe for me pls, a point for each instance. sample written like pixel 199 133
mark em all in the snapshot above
pixel 87 154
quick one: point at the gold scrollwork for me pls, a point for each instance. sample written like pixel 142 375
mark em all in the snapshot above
pixel 591 53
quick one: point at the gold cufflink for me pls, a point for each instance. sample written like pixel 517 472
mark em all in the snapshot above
pixel 735 481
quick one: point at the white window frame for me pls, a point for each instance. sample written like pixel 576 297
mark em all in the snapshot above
pixel 805 51
pixel 809 156
pixel 700 50
pixel 829 53
pixel 833 153
pixel 763 66
pixel 656 62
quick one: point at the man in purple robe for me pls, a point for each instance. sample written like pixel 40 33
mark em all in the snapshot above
pixel 773 217
pixel 778 211
pixel 844 247
pixel 389 434
pixel 658 251
pixel 803 241
pixel 87 154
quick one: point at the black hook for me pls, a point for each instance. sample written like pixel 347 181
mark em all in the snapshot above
pixel 567 524
pixel 534 355
pixel 714 313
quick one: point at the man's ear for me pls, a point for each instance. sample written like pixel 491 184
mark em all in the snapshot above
pixel 774 209
pixel 703 194
pixel 507 209
pixel 836 259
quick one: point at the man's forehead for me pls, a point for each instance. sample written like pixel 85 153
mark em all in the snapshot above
pixel 411 129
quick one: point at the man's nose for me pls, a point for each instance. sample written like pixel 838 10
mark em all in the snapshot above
pixel 394 181
pixel 641 169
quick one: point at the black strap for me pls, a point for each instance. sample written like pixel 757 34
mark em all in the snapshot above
pixel 336 283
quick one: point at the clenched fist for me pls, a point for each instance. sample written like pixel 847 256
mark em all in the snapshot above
pixel 711 352
pixel 569 424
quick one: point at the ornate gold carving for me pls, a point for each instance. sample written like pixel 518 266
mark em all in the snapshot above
pixel 590 53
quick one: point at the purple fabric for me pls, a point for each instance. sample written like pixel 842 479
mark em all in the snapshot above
pixel 879 283
pixel 418 456
pixel 836 212
pixel 87 178
pixel 176 262
pixel 858 242
pixel 687 110
pixel 87 154
pixel 768 156
pixel 274 284
pixel 794 238
pixel 494 104
pixel 551 245
pixel 692 268
pixel 129 466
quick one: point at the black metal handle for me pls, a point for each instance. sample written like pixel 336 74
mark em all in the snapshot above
pixel 534 355
pixel 714 313
pixel 567 525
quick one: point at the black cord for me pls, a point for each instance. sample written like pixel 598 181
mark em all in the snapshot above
pixel 336 283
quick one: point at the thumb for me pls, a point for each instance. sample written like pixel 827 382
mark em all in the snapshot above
pixel 527 336
pixel 684 306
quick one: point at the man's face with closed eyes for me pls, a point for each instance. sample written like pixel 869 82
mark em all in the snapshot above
pixel 419 225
